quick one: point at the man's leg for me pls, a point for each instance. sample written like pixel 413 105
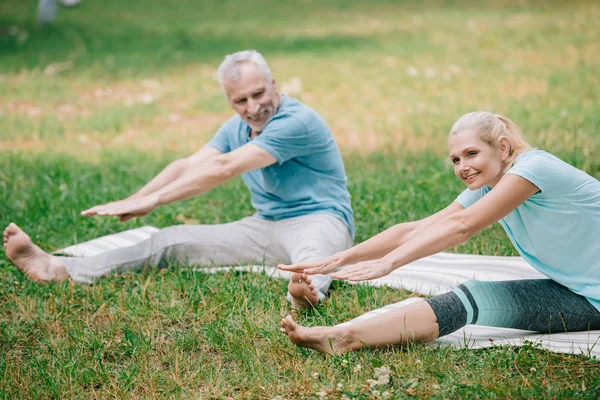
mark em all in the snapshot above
pixel 309 238
pixel 36 264
pixel 236 242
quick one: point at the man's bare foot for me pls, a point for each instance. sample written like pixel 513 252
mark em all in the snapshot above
pixel 331 340
pixel 302 291
pixel 36 264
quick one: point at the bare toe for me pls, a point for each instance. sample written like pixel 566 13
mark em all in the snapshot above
pixel 289 323
pixel 303 295
pixel 12 229
pixel 36 264
pixel 289 326
pixel 317 338
pixel 306 278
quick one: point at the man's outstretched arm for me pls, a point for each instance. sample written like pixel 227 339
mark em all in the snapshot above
pixel 217 170
pixel 176 170
pixel 196 180
pixel 170 173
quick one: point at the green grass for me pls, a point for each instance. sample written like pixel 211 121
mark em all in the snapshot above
pixel 182 333
pixel 95 105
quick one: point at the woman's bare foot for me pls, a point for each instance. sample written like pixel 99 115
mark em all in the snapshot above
pixel 36 264
pixel 331 340
pixel 302 291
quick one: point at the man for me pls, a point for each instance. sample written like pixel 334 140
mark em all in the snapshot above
pixel 287 157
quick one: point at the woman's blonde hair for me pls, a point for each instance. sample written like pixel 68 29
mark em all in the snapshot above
pixel 490 128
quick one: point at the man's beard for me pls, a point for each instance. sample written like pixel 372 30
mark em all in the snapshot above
pixel 265 113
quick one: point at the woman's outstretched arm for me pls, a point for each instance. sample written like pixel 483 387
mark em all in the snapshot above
pixel 456 228
pixel 373 248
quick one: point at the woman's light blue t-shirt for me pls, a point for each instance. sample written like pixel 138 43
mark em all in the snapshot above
pixel 557 230
pixel 309 175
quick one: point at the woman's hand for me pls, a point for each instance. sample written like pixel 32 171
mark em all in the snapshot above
pixel 322 266
pixel 365 270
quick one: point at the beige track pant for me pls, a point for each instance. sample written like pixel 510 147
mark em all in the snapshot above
pixel 249 240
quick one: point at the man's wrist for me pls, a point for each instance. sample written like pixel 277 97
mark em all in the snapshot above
pixel 158 199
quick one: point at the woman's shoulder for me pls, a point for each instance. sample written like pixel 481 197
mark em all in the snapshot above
pixel 548 172
pixel 544 162
pixel 535 154
pixel 539 161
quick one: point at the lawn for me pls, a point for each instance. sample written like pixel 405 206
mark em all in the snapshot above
pixel 96 104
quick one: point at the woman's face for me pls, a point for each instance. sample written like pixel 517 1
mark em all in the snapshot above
pixel 475 162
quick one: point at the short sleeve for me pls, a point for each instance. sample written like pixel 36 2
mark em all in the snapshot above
pixel 287 137
pixel 541 169
pixel 468 197
pixel 221 140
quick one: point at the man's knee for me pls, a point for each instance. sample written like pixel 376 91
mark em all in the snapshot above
pixel 311 250
pixel 170 245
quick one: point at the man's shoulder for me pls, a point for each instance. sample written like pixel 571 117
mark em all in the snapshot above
pixel 294 109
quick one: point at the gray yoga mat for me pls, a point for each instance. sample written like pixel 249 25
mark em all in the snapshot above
pixel 429 276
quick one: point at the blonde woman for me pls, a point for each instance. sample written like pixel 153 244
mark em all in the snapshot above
pixel 551 213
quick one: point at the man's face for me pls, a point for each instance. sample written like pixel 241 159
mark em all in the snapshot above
pixel 252 96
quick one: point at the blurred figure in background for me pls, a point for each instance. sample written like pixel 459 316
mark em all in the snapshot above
pixel 48 9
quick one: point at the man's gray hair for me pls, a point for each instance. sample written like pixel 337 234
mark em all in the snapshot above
pixel 230 67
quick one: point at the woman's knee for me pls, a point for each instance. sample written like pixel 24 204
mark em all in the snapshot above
pixel 450 312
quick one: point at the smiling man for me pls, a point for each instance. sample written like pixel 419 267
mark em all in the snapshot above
pixel 287 157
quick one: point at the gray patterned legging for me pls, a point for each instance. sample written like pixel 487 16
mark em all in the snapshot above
pixel 540 305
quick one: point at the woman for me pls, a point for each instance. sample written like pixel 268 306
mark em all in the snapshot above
pixel 551 213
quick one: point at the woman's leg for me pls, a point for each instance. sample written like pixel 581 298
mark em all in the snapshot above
pixel 415 322
pixel 541 305
pixel 534 304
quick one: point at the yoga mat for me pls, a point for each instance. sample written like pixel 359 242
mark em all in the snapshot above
pixel 429 276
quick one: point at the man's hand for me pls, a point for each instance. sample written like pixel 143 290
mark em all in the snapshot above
pixel 322 266
pixel 125 209
pixel 127 217
pixel 365 270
